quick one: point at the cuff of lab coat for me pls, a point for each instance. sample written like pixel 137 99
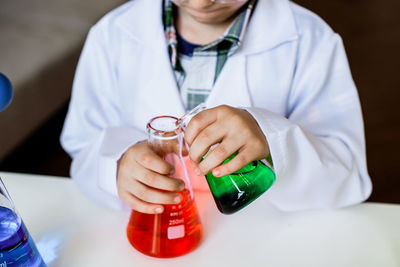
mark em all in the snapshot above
pixel 273 126
pixel 115 142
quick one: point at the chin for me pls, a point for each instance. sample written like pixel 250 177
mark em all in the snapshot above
pixel 207 21
pixel 210 19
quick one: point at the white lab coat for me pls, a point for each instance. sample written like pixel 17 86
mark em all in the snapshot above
pixel 291 73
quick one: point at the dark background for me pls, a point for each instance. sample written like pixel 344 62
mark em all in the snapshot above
pixel 371 33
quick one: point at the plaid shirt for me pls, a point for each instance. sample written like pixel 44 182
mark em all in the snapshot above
pixel 197 74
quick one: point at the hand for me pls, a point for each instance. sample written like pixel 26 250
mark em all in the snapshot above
pixel 234 130
pixel 142 174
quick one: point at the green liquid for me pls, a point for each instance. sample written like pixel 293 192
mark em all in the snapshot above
pixel 237 190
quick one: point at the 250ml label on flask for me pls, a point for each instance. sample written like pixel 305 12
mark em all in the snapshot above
pixel 176 231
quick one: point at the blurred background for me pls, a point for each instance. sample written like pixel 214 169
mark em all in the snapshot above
pixel 40 42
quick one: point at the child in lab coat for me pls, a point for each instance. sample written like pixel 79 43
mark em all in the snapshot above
pixel 274 76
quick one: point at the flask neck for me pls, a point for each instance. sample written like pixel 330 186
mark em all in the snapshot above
pixel 165 136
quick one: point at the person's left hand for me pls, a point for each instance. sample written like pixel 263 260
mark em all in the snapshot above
pixel 234 130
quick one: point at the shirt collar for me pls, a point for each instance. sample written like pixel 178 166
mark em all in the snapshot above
pixel 233 34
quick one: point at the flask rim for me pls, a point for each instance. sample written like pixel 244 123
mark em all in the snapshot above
pixel 162 134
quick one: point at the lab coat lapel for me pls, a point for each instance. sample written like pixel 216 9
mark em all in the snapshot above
pixel 271 24
pixel 159 87
pixel 231 86
pixel 162 87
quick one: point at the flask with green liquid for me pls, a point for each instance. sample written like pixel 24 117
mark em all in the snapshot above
pixel 237 190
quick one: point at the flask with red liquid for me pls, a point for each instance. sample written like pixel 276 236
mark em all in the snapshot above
pixel 178 229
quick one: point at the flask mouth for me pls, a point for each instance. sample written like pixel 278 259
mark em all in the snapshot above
pixel 163 127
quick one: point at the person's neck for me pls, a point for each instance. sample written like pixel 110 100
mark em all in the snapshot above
pixel 199 33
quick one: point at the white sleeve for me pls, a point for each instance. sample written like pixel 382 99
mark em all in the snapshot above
pixel 318 149
pixel 92 134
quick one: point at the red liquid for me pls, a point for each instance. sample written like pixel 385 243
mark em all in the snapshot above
pixel 172 233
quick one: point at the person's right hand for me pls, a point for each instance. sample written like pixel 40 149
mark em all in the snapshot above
pixel 141 173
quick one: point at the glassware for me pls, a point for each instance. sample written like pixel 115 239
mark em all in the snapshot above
pixel 178 229
pixel 237 190
pixel 183 121
pixel 16 245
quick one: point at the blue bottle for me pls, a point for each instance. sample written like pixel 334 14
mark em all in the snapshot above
pixel 6 93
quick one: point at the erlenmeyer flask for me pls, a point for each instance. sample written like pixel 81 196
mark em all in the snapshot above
pixel 177 230
pixel 16 245
pixel 237 190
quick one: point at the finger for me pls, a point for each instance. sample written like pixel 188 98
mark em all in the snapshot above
pixel 204 140
pixel 151 195
pixel 159 181
pixel 150 160
pixel 140 205
pixel 239 161
pixel 198 123
pixel 218 155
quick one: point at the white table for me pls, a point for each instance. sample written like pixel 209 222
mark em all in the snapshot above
pixel 90 235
